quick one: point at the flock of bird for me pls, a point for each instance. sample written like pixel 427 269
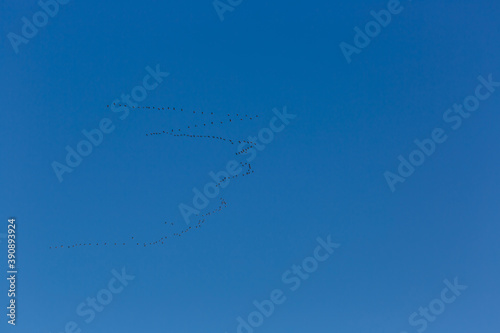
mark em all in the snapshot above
pixel 243 164
pixel 162 240
pixel 201 221
pixel 229 116
pixel 208 137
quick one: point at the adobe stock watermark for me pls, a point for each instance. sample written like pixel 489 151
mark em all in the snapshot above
pixel 210 191
pixel 452 116
pixel 372 29
pixel 221 7
pixel 95 136
pixel 89 308
pixel 425 315
pixel 292 278
pixel 29 29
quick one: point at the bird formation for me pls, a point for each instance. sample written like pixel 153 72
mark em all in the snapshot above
pixel 160 241
pixel 243 151
pixel 190 127
pixel 230 117
pixel 173 109
pixel 202 220
pixel 223 204
pixel 207 137
pixel 243 164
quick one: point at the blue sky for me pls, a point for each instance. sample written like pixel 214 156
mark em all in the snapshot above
pixel 322 175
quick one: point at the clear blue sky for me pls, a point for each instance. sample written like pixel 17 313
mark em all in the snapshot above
pixel 322 175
